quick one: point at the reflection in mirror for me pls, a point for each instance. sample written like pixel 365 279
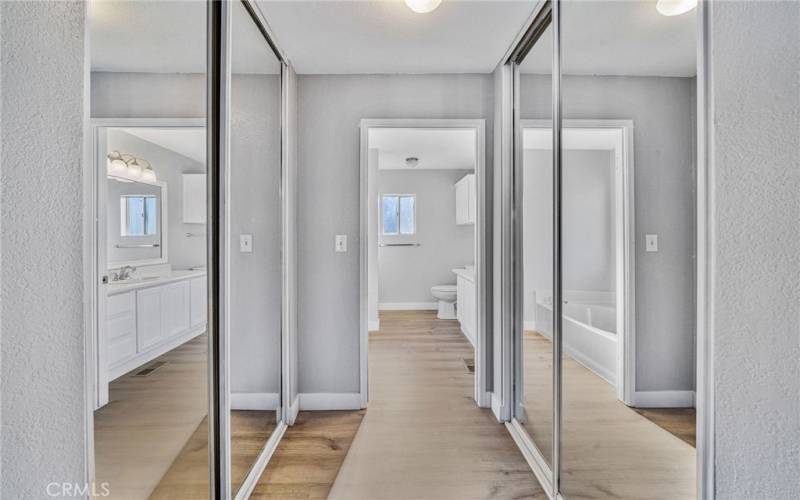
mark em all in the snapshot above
pixel 254 265
pixel 150 348
pixel 535 349
pixel 626 438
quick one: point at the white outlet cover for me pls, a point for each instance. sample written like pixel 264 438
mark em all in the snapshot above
pixel 246 243
pixel 651 242
pixel 341 243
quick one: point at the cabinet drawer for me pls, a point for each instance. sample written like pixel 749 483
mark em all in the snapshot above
pixel 121 349
pixel 120 304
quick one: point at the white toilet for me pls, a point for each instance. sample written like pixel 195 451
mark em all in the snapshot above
pixel 446 295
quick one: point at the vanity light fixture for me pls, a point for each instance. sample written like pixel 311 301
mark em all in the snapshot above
pixel 423 6
pixel 675 7
pixel 128 167
pixel 412 161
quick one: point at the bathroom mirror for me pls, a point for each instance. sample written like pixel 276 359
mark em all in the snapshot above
pixel 137 215
pixel 254 262
pixel 534 408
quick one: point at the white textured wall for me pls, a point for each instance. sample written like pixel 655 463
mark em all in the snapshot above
pixel 330 109
pixel 41 287
pixel 756 247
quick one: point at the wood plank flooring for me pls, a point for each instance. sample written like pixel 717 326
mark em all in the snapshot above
pixel 309 456
pixel 608 449
pixel 422 437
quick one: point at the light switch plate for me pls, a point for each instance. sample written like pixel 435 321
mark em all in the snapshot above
pixel 651 242
pixel 341 242
pixel 246 243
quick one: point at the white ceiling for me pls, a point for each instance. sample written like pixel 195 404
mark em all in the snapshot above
pixel 619 38
pixel 189 142
pixel 437 149
pixel 169 37
pixel 384 36
pixel 342 37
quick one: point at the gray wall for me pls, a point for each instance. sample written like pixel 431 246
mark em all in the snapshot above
pixel 41 281
pixel 148 95
pixel 755 248
pixel 588 232
pixel 330 110
pixel 169 166
pixel 406 274
pixel 662 110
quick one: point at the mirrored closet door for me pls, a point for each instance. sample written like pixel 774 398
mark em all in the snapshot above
pixel 253 268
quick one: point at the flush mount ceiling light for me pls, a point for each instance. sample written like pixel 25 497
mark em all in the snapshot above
pixel 423 6
pixel 675 7
pixel 412 161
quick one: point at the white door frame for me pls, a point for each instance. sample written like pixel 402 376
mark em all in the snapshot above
pixel 482 269
pixel 625 238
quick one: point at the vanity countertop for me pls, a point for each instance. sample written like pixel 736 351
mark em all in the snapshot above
pixel 466 273
pixel 115 288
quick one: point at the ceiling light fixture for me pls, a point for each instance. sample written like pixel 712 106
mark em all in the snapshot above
pixel 412 161
pixel 423 6
pixel 675 7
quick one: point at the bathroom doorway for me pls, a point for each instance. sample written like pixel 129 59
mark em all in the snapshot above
pixel 423 237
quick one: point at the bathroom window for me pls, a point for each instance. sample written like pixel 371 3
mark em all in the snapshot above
pixel 138 215
pixel 399 214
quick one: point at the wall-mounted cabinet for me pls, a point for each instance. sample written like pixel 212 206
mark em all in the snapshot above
pixel 466 200
pixel 194 198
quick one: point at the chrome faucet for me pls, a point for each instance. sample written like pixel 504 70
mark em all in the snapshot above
pixel 124 273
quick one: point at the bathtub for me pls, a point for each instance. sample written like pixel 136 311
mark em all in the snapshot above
pixel 590 326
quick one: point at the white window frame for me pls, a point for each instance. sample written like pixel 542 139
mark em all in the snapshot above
pixel 123 213
pixel 398 196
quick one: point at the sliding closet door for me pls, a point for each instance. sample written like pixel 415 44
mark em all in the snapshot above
pixel 628 75
pixel 533 179
pixel 253 268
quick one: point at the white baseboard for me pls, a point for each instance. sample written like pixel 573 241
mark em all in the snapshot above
pixel 255 400
pixel 294 409
pixel 374 326
pixel 330 401
pixel 497 407
pixel 664 399
pixel 408 306
pixel 530 326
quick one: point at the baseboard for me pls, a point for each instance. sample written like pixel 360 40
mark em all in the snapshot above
pixel 408 306
pixel 374 326
pixel 255 400
pixel 497 407
pixel 530 326
pixel 294 409
pixel 330 401
pixel 664 399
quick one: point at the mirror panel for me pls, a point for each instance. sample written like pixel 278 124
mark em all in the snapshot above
pixel 254 254
pixel 628 73
pixel 534 405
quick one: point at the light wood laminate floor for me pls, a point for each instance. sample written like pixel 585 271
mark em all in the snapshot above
pixel 423 437
pixel 608 449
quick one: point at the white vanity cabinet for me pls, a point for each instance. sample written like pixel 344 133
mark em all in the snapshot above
pixel 466 200
pixel 466 303
pixel 148 320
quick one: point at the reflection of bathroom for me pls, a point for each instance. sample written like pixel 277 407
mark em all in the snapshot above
pixel 422 225
pixel 151 347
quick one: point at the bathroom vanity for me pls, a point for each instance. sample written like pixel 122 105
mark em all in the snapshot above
pixel 466 301
pixel 147 317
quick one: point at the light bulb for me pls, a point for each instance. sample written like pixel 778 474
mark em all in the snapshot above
pixel 423 6
pixel 148 174
pixel 675 7
pixel 134 169
pixel 117 167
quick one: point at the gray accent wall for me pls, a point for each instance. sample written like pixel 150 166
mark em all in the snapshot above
pixel 406 274
pixel 43 435
pixel 755 271
pixel 662 110
pixel 331 107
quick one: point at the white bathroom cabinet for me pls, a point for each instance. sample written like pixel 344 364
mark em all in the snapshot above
pixel 466 306
pixel 194 198
pixel 466 203
pixel 147 322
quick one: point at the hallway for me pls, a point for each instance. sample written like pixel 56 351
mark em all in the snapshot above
pixel 423 437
